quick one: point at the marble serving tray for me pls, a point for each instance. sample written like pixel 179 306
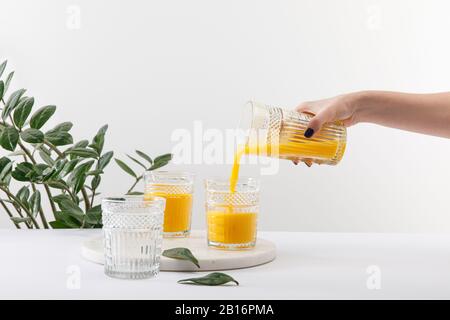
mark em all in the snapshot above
pixel 209 258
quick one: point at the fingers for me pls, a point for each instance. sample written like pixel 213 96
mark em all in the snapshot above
pixel 306 107
pixel 308 163
pixel 316 122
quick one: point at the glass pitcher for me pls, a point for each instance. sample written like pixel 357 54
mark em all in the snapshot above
pixel 276 132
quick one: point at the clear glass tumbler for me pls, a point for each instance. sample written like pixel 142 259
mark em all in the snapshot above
pixel 232 216
pixel 132 230
pixel 177 188
pixel 276 132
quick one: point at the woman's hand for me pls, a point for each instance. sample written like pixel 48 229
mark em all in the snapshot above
pixel 421 113
pixel 341 108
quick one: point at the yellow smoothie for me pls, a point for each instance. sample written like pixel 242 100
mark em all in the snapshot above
pixel 292 149
pixel 231 227
pixel 177 214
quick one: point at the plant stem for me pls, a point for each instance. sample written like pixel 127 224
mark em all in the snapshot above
pixel 13 197
pixel 92 198
pixel 135 183
pixel 86 199
pixel 41 212
pixel 9 213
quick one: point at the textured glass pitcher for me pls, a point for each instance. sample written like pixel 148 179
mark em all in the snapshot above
pixel 276 132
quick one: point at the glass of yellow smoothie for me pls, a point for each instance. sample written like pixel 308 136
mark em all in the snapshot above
pixel 231 216
pixel 177 188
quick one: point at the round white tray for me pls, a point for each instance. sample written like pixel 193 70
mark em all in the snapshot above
pixel 209 258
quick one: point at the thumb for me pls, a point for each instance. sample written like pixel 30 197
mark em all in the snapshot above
pixel 316 122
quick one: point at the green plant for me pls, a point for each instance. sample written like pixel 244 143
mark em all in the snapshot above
pixel 46 165
pixel 47 162
pixel 157 163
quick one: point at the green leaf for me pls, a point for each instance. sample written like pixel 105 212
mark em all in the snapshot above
pixel 68 219
pixel 12 103
pixel 78 176
pixel 81 144
pixel 68 167
pixel 212 279
pixel 31 135
pixel 137 161
pixel 126 168
pixel 67 205
pixel 3 162
pixel 104 160
pixel 2 67
pixel 41 116
pixel 22 112
pixel 35 203
pixel 8 81
pixel 23 194
pixel 96 182
pixel 135 193
pixel 161 161
pixel 94 215
pixel 5 171
pixel 57 167
pixel 181 254
pixel 2 89
pixel 58 225
pixel 22 170
pixel 57 184
pixel 46 157
pixel 64 127
pixel 144 156
pixel 9 138
pixel 59 138
pixel 99 140
pixel 83 153
pixel 94 173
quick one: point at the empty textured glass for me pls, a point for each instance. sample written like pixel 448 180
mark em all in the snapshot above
pixel 232 216
pixel 132 229
pixel 177 188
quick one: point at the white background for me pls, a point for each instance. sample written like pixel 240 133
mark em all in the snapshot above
pixel 149 67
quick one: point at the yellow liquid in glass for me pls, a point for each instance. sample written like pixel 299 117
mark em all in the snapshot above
pixel 177 215
pixel 293 150
pixel 231 227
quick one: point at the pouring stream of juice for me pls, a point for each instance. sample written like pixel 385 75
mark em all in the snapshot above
pixel 297 147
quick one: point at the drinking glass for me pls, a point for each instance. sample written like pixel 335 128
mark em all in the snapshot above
pixel 177 188
pixel 132 229
pixel 232 216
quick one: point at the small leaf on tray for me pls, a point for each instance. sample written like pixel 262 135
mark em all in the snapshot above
pixel 181 254
pixel 212 279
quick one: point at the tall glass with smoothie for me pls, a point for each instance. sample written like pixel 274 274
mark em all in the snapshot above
pixel 232 216
pixel 177 188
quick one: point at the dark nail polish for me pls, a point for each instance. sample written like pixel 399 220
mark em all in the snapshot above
pixel 309 133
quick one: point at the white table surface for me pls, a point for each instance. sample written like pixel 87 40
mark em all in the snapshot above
pixel 38 264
